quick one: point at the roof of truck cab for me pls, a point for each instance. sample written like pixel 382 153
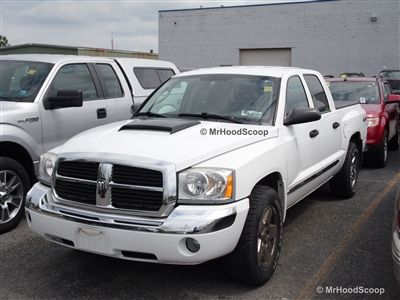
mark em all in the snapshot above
pixel 273 71
pixel 54 58
pixel 143 62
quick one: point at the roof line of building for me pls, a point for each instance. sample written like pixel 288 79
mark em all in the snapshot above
pixel 250 5
pixel 39 45
pixel 66 47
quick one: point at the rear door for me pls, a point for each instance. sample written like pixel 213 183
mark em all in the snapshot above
pixel 329 125
pixel 115 90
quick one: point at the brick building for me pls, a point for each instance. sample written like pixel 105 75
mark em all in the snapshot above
pixel 331 36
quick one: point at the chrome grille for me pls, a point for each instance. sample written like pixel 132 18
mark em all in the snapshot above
pixel 113 186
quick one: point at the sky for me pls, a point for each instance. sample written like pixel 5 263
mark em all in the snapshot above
pixel 130 25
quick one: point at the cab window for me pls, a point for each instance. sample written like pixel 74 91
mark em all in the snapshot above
pixel 74 77
pixel 317 93
pixel 113 85
pixel 295 95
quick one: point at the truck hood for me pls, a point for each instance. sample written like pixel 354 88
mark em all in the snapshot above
pixel 371 109
pixel 183 142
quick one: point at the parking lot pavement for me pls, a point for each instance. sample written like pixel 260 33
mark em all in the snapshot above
pixel 332 249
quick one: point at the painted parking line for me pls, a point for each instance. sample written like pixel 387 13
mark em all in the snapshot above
pixel 320 275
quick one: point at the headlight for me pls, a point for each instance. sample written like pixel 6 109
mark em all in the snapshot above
pixel 373 122
pixel 205 185
pixel 46 167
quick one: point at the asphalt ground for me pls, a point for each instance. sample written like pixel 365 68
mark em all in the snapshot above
pixel 332 249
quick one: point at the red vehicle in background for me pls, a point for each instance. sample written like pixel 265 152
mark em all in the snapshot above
pixel 383 111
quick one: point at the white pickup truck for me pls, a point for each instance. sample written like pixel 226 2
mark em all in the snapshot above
pixel 47 99
pixel 207 168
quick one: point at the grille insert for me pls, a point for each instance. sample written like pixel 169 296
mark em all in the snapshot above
pixel 137 176
pixel 78 182
pixel 81 170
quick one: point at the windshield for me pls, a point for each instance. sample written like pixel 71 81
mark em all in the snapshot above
pixel 390 74
pixel 233 97
pixel 21 80
pixel 364 92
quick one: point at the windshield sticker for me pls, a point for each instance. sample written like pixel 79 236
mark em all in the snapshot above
pixel 251 113
pixel 31 72
pixel 268 89
pixel 362 99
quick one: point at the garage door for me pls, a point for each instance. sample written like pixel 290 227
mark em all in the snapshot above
pixel 266 57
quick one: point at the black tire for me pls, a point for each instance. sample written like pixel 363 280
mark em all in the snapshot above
pixel 256 255
pixel 14 184
pixel 380 159
pixel 344 183
pixel 394 143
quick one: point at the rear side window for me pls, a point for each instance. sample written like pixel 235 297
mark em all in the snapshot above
pixel 165 74
pixel 317 93
pixel 111 80
pixel 151 78
pixel 74 77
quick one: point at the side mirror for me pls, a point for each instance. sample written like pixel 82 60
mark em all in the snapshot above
pixel 302 115
pixel 64 98
pixel 134 108
pixel 393 98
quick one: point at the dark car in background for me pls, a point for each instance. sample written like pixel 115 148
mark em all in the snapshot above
pixel 393 77
pixel 349 74
pixel 382 107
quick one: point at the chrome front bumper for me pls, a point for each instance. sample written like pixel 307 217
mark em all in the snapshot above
pixel 216 228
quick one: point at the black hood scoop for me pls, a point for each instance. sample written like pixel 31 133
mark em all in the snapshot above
pixel 170 125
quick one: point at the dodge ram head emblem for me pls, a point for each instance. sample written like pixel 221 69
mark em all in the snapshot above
pixel 101 188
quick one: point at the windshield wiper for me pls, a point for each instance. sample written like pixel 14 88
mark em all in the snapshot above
pixel 206 115
pixel 151 114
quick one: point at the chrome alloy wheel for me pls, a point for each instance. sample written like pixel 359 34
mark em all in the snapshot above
pixel 11 195
pixel 354 165
pixel 267 237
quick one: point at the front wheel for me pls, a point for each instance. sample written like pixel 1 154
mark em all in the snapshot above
pixel 344 183
pixel 14 184
pixel 256 255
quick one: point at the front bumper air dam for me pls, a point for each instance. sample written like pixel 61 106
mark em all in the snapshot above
pixel 217 228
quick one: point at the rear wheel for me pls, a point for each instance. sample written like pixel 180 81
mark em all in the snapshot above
pixel 344 183
pixel 14 184
pixel 380 159
pixel 256 255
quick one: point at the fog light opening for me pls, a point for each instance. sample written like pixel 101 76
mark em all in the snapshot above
pixel 28 216
pixel 193 245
